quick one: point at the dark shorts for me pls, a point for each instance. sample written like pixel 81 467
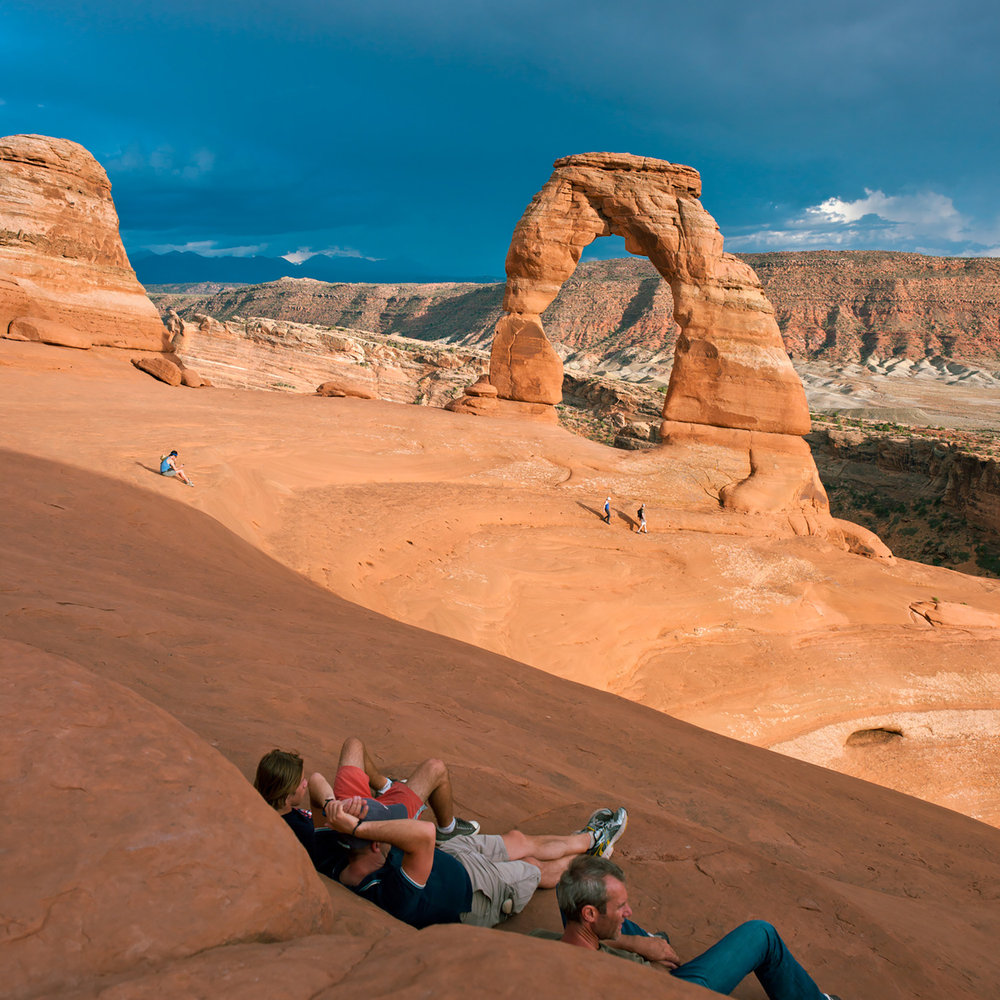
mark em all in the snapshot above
pixel 351 780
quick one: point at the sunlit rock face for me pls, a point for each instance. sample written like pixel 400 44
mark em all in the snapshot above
pixel 730 368
pixel 64 276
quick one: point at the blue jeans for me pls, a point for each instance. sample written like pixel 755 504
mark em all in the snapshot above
pixel 753 947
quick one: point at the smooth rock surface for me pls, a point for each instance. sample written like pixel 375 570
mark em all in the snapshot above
pixel 249 609
pixel 126 839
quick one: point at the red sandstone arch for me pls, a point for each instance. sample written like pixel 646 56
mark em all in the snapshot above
pixel 732 382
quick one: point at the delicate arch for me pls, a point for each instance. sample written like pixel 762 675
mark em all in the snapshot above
pixel 730 367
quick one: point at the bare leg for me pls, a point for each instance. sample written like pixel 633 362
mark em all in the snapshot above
pixel 355 753
pixel 432 783
pixel 551 870
pixel 523 847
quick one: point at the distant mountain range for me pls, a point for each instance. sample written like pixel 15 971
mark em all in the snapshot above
pixel 187 267
pixel 832 305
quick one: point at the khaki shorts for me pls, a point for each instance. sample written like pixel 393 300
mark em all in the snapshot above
pixel 500 886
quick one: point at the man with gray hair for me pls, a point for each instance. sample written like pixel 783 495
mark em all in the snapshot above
pixel 593 901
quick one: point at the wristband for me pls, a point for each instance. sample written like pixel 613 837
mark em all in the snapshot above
pixel 326 802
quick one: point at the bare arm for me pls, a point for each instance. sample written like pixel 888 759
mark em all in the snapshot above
pixel 320 791
pixel 413 837
pixel 654 949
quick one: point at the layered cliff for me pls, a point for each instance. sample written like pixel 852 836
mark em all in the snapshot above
pixel 850 304
pixel 64 275
pixel 838 305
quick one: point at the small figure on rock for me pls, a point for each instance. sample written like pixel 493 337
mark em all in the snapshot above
pixel 169 467
pixel 607 511
pixel 641 514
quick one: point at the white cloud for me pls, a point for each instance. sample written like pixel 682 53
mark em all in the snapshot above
pixel 927 212
pixel 207 248
pixel 305 253
pixel 926 222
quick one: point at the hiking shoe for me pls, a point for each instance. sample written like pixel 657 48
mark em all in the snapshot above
pixel 463 828
pixel 606 833
pixel 600 817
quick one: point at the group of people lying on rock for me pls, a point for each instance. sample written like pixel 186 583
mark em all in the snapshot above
pixel 365 832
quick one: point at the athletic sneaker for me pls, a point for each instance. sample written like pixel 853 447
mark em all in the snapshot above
pixel 463 828
pixel 601 816
pixel 606 832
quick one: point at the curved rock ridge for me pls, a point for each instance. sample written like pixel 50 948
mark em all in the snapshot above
pixel 64 275
pixel 730 367
pixel 127 840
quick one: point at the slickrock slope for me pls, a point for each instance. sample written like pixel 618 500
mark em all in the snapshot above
pixel 64 275
pixel 491 535
pixel 143 584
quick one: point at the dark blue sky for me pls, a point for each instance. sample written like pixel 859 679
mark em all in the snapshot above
pixel 390 129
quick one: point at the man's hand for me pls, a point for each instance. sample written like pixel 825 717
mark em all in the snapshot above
pixel 354 806
pixel 654 949
pixel 344 815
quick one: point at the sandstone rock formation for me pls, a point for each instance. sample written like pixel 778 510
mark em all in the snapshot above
pixel 64 275
pixel 730 368
pixel 161 597
pixel 117 815
pixel 162 369
pixel 338 388
pixel 260 353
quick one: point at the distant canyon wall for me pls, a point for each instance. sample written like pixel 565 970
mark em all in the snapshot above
pixel 830 305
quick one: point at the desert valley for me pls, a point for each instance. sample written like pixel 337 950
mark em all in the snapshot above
pixel 792 681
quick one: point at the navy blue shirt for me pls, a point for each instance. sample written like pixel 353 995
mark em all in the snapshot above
pixel 323 846
pixel 447 895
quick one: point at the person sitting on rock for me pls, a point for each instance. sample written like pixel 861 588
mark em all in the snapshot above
pixel 593 901
pixel 281 780
pixel 473 879
pixel 169 467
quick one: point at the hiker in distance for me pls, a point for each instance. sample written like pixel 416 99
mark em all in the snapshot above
pixel 169 467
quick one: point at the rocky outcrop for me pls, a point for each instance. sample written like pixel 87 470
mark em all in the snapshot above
pixel 64 275
pixel 127 840
pixel 259 353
